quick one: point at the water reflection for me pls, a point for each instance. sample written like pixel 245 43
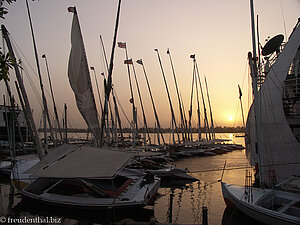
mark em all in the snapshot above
pixel 233 216
pixel 13 206
pixel 177 203
pixel 75 216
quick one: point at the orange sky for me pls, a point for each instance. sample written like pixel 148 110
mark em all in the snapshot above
pixel 218 32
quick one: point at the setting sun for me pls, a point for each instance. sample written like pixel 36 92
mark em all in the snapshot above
pixel 230 118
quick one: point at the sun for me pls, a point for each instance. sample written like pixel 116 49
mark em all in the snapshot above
pixel 230 118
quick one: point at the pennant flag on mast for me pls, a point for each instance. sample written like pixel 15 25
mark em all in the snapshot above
pixel 192 56
pixel 240 92
pixel 128 61
pixel 122 44
pixel 72 9
pixel 79 78
pixel 139 61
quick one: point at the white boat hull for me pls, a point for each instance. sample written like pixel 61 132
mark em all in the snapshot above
pixel 234 197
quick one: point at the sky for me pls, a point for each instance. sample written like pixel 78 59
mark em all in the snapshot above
pixel 218 32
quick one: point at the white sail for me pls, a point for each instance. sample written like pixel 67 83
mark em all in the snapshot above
pixel 278 145
pixel 79 78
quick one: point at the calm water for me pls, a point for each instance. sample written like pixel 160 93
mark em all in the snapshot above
pixel 181 205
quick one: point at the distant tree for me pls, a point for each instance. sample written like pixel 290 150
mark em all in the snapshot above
pixel 6 61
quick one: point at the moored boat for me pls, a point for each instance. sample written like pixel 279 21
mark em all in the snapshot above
pixel 85 177
pixel 272 135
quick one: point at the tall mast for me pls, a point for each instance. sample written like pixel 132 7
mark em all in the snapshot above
pixel 167 89
pixel 40 150
pixel 240 97
pixel 204 107
pixel 106 115
pixel 141 102
pixel 40 76
pixel 110 70
pixel 104 52
pixel 179 101
pixel 191 105
pixel 254 75
pixel 185 120
pixel 54 104
pixel 24 110
pixel 198 113
pixel 151 97
pixel 210 110
pixel 99 96
pixel 113 93
pixel 134 113
pixel 112 122
pixel 118 116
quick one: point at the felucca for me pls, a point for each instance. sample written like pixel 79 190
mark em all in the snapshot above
pixel 84 176
pixel 272 135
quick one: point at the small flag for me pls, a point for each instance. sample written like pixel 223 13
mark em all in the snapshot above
pixel 192 56
pixel 128 61
pixel 139 61
pixel 102 74
pixel 168 52
pixel 92 68
pixel 240 92
pixel 156 49
pixel 72 9
pixel 131 100
pixel 122 44
pixel 43 56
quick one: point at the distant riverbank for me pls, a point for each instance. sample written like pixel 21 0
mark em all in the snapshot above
pixel 164 130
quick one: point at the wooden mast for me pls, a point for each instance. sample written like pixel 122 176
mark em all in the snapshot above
pixel 99 96
pixel 240 97
pixel 141 103
pixel 191 104
pixel 253 67
pixel 110 70
pixel 40 150
pixel 24 109
pixel 210 110
pixel 167 89
pixel 179 100
pixel 134 112
pixel 198 112
pixel 40 76
pixel 204 107
pixel 54 104
pixel 113 94
pixel 151 97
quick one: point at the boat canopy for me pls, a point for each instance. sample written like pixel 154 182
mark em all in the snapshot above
pixel 83 162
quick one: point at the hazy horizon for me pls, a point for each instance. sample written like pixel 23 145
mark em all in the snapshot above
pixel 217 32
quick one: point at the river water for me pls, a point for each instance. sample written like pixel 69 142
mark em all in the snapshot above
pixel 180 205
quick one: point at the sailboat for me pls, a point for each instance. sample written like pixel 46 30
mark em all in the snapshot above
pixel 83 176
pixel 272 135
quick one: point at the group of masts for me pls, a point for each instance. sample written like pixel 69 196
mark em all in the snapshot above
pixel 183 132
pixel 110 117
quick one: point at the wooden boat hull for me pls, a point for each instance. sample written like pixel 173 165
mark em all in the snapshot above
pixel 94 203
pixel 134 189
pixel 234 197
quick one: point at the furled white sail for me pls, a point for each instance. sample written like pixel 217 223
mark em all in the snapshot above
pixel 278 144
pixel 79 78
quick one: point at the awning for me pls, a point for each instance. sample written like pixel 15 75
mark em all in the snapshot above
pixel 86 162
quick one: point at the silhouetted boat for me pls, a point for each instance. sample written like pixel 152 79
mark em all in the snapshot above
pixel 272 136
